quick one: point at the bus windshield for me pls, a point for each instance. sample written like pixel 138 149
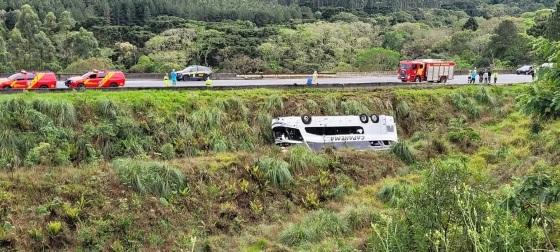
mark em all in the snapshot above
pixel 405 66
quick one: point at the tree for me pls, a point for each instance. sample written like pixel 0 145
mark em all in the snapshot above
pixel 18 53
pixel 50 24
pixel 377 59
pixel 28 22
pixel 78 45
pixel 507 44
pixel 553 26
pixel 471 24
pixel 5 62
pixel 67 22
pixel 46 54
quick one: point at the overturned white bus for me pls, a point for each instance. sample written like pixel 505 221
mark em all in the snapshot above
pixel 358 132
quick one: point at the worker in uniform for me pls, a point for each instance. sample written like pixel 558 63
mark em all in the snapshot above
pixel 166 80
pixel 208 82
pixel 316 78
pixel 495 77
pixel 174 77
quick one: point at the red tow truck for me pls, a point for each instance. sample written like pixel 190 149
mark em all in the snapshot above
pixel 431 70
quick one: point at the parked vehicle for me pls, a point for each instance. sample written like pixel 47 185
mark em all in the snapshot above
pixel 97 79
pixel 195 72
pixel 357 132
pixel 431 70
pixel 524 70
pixel 25 80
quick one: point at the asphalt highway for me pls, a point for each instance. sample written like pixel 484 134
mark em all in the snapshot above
pixel 459 79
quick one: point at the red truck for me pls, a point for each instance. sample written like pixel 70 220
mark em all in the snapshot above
pixel 431 70
pixel 25 80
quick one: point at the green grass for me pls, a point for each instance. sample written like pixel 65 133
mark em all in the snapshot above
pixel 315 227
pixel 276 171
pixel 150 177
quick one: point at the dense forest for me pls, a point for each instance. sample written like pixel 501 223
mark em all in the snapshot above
pixel 265 35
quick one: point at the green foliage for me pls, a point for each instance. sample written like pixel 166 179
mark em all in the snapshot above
pixel 167 151
pixel 316 226
pixel 402 151
pixel 471 24
pixel 466 104
pixel 376 59
pixel 276 171
pixel 353 107
pixel 302 158
pixel 150 177
pixel 54 228
pixel 85 65
pixel 458 133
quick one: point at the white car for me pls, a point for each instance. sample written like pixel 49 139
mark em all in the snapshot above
pixel 194 72
pixel 526 70
pixel 357 132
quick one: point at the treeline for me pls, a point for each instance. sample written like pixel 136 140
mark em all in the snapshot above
pixel 138 12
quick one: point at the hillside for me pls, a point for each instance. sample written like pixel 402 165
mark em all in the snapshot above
pixel 196 171
pixel 256 36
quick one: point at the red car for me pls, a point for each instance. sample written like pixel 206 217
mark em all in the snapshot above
pixel 97 79
pixel 25 80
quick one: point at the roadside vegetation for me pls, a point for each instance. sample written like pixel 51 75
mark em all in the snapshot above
pixel 197 171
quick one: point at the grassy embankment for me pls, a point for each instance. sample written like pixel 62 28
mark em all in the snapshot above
pixel 196 170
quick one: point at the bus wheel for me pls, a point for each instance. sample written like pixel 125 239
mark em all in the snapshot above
pixel 364 118
pixel 374 118
pixel 306 119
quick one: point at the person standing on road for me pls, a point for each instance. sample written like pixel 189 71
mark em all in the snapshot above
pixel 309 81
pixel 473 76
pixel 489 75
pixel 166 80
pixel 532 72
pixel 208 82
pixel 469 76
pixel 316 78
pixel 495 77
pixel 174 77
pixel 485 77
pixel 480 76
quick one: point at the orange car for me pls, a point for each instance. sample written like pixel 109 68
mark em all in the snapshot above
pixel 97 79
pixel 25 80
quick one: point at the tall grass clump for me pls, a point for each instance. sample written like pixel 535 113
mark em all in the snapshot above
pixel 403 110
pixel 300 157
pixel 329 106
pixel 206 119
pixel 237 109
pixel 485 96
pixel 61 112
pixel 275 171
pixel 403 152
pixel 149 177
pixel 316 226
pixel 311 107
pixel 107 108
pixel 353 107
pixel 274 103
pixel 466 104
pixel 263 121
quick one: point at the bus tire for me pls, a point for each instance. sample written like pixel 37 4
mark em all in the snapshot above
pixel 306 119
pixel 374 118
pixel 364 118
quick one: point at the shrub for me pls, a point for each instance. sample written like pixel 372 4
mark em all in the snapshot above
pixel 462 135
pixel 54 228
pixel 359 217
pixel 353 107
pixel 275 171
pixel 485 96
pixel 149 177
pixel 167 151
pixel 315 227
pixel 62 113
pixel 274 103
pixel 40 155
pixel 301 157
pixel 466 104
pixel 402 151
pixel 107 109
